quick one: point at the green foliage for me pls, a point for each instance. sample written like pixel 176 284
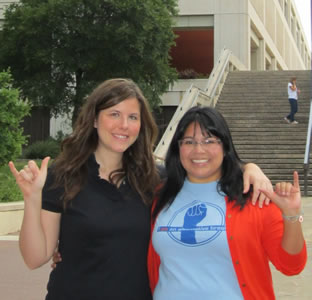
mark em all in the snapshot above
pixel 191 74
pixel 60 50
pixel 9 191
pixel 12 112
pixel 41 149
pixel 60 136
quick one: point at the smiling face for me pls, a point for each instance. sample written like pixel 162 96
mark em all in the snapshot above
pixel 202 164
pixel 118 127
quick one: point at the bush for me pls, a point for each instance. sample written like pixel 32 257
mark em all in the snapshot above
pixel 9 191
pixel 191 74
pixel 12 112
pixel 41 149
pixel 188 74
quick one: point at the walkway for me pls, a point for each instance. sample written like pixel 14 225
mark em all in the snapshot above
pixel 19 283
pixel 298 287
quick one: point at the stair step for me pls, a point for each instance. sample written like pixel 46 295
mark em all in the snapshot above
pixel 255 116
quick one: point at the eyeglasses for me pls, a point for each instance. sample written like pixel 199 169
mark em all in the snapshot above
pixel 205 144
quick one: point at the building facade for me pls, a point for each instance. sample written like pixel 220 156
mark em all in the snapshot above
pixel 262 34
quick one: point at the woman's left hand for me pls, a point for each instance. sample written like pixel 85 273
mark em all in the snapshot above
pixel 287 196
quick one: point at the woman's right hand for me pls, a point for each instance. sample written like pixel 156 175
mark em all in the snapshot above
pixel 30 179
pixel 56 258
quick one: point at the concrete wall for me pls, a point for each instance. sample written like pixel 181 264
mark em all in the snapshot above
pixel 263 34
pixel 11 216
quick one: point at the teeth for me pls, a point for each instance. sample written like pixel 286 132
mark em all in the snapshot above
pixel 121 136
pixel 199 161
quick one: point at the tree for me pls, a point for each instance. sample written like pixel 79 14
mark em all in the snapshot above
pixel 59 50
pixel 12 112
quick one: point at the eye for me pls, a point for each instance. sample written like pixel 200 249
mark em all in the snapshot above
pixel 212 141
pixel 188 142
pixel 114 114
pixel 209 141
pixel 134 117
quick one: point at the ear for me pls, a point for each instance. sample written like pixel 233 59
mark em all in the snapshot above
pixel 95 123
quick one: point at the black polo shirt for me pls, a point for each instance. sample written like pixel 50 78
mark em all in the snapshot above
pixel 103 242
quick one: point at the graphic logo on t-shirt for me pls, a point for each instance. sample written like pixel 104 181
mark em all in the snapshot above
pixel 195 224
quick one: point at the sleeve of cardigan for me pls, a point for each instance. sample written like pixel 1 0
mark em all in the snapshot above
pixel 153 262
pixel 272 235
pixel 153 259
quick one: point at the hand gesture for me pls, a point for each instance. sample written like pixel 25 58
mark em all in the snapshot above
pixel 287 196
pixel 194 215
pixel 30 179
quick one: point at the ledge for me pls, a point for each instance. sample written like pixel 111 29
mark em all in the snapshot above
pixel 10 206
pixel 11 216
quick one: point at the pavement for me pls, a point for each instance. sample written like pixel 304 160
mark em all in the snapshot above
pixel 298 287
pixel 17 282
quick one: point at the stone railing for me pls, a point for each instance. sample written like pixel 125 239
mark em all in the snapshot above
pixel 11 215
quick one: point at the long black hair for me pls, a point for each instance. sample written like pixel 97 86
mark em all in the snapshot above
pixel 231 181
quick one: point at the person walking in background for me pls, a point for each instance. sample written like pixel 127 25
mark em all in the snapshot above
pixel 208 241
pixel 94 200
pixel 293 93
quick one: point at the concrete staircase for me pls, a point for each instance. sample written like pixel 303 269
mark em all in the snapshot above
pixel 254 104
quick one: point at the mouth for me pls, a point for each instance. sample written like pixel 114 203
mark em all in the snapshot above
pixel 119 136
pixel 199 161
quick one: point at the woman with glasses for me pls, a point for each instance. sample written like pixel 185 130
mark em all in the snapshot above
pixel 208 241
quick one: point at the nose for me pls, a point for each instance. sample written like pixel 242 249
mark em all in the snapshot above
pixel 198 147
pixel 124 122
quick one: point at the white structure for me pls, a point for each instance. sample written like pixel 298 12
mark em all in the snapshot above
pixel 262 34
pixel 61 123
pixel 3 5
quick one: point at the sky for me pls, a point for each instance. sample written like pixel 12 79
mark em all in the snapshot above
pixel 304 10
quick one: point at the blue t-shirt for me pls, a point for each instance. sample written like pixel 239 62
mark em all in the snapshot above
pixel 190 238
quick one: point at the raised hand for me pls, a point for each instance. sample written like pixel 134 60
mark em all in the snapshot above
pixel 193 216
pixel 287 196
pixel 30 179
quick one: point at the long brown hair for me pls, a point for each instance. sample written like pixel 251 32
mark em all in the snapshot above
pixel 138 164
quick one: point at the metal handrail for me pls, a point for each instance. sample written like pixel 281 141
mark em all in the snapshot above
pixel 189 100
pixel 226 62
pixel 306 161
pixel 217 72
pixel 195 96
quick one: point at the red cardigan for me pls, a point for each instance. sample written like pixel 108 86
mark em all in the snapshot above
pixel 254 236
